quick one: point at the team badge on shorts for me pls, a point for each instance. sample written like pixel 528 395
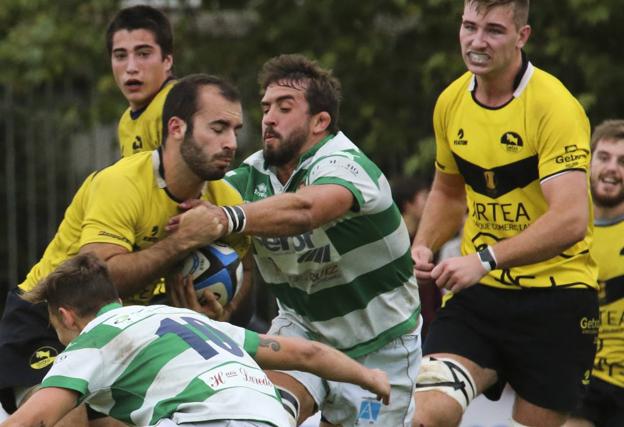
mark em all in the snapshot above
pixel 42 357
pixel 369 411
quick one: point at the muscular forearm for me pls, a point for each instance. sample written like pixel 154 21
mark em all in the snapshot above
pixel 332 364
pixel 442 218
pixel 310 356
pixel 132 272
pixel 563 224
pixel 548 236
pixel 44 409
pixel 282 215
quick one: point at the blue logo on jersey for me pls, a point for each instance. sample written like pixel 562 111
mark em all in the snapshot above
pixel 369 411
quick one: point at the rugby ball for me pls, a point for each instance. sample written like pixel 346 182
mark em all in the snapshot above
pixel 215 267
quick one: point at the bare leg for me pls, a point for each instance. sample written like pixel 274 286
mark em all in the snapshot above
pixel 532 415
pixel 578 422
pixel 437 409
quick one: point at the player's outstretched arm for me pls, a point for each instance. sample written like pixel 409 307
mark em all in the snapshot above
pixel 285 214
pixel 43 409
pixel 132 271
pixel 276 352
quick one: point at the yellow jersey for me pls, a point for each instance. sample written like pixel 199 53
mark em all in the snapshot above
pixel 141 130
pixel 504 154
pixel 126 204
pixel 608 251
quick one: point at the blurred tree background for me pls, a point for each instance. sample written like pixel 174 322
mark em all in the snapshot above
pixel 59 104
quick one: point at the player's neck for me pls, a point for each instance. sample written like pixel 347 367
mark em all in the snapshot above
pixel 182 184
pixel 496 90
pixel 605 213
pixel 284 172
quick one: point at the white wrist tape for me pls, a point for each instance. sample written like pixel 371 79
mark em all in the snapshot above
pixel 237 220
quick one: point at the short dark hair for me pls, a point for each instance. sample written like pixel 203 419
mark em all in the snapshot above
pixel 81 283
pixel 609 129
pixel 521 8
pixel 142 17
pixel 182 99
pixel 322 89
pixel 405 188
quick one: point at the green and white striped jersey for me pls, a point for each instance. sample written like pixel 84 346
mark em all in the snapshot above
pixel 349 282
pixel 143 364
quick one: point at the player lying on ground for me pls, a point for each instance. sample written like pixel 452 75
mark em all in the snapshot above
pixel 161 365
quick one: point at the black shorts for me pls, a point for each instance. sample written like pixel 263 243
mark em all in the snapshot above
pixel 28 344
pixel 603 404
pixel 28 347
pixel 541 341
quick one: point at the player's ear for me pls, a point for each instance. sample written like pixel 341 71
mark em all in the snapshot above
pixel 68 318
pixel 168 63
pixel 320 122
pixel 523 36
pixel 177 127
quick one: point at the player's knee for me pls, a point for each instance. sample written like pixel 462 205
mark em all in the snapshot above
pixel 447 376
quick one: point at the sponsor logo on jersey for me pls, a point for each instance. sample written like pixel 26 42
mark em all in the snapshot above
pixel 261 191
pixel 137 144
pixel 345 164
pixel 500 212
pixel 369 411
pixel 572 156
pixel 460 138
pixel 287 244
pixel 318 255
pixel 512 141
pixel 490 181
pixel 590 325
pixel 42 357
pixel 326 273
pixel 153 237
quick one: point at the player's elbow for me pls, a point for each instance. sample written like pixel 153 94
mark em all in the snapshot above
pixel 307 354
pixel 575 228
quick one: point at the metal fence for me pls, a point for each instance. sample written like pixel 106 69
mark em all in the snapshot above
pixel 51 140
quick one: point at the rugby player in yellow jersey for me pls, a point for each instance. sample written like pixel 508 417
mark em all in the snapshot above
pixel 140 44
pixel 603 404
pixel 512 148
pixel 120 214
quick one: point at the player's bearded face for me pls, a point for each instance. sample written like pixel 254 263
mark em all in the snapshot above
pixel 607 188
pixel 607 173
pixel 208 167
pixel 287 147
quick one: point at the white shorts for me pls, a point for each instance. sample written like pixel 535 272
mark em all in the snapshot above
pixel 349 405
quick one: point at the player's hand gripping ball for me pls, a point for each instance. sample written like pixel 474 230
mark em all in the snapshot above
pixel 215 267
